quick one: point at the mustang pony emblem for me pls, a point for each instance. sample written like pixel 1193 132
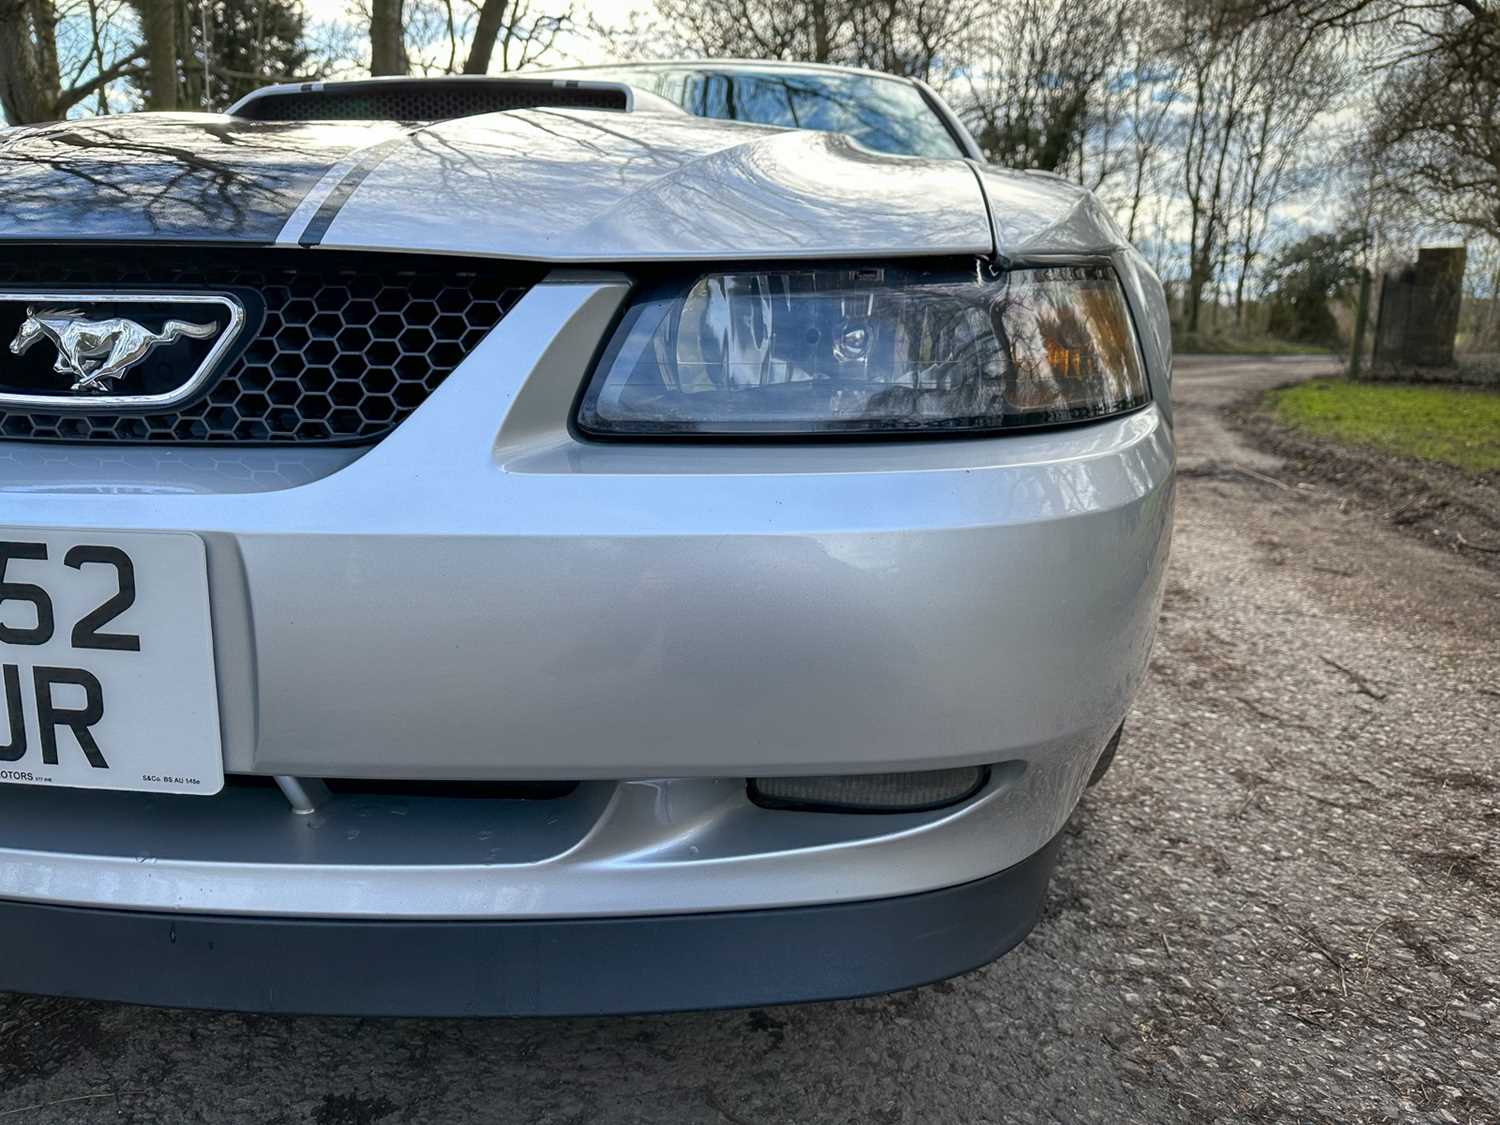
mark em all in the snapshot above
pixel 95 352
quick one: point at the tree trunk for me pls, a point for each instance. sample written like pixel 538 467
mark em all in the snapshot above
pixel 96 52
pixel 190 88
pixel 23 92
pixel 387 39
pixel 31 90
pixel 1201 275
pixel 44 20
pixel 1137 193
pixel 486 32
pixel 30 84
pixel 1198 262
pixel 159 30
pixel 822 37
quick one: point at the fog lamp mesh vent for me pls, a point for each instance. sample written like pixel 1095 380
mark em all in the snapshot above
pixel 870 792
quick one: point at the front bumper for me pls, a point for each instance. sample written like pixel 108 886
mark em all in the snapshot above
pixel 482 595
pixel 557 967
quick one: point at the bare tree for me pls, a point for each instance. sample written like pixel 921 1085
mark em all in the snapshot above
pixel 1035 76
pixel 509 29
pixel 525 38
pixel 227 48
pixel 1436 127
pixel 811 30
pixel 908 37
pixel 1213 63
pixel 1153 85
pixel 1304 79
pixel 1244 104
pixel 479 36
pixel 33 85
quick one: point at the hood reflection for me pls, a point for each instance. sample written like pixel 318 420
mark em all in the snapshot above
pixel 557 185
pixel 566 185
pixel 169 176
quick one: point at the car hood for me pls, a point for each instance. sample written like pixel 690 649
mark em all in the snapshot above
pixel 546 185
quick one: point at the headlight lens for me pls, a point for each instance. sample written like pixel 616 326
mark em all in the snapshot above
pixel 869 350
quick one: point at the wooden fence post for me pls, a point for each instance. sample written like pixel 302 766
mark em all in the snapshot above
pixel 1361 322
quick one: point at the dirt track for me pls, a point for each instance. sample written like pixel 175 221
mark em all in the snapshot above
pixel 1284 903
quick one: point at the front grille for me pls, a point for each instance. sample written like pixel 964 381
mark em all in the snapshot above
pixel 350 344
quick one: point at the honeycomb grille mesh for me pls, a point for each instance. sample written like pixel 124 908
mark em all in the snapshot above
pixel 427 99
pixel 349 345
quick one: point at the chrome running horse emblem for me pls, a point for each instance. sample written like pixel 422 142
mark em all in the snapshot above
pixel 95 352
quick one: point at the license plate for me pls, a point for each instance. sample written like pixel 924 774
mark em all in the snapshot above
pixel 107 664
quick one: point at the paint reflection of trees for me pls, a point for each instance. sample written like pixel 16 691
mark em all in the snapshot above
pixel 220 179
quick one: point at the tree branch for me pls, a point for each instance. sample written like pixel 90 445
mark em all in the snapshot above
pixel 127 67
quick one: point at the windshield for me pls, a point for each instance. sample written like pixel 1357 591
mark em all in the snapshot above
pixel 884 114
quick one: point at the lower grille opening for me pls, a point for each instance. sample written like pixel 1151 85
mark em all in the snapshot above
pixel 365 786
pixel 477 790
pixel 249 781
pixel 309 794
pixel 383 787
pixel 251 821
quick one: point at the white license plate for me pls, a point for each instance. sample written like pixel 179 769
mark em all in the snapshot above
pixel 106 661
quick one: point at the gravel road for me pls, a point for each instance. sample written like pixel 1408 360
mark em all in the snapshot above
pixel 1282 904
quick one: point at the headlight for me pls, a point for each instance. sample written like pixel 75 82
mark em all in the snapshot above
pixel 869 351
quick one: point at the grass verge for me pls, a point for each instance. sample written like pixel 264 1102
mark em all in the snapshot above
pixel 1457 426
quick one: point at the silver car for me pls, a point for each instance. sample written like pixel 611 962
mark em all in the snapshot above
pixel 514 546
